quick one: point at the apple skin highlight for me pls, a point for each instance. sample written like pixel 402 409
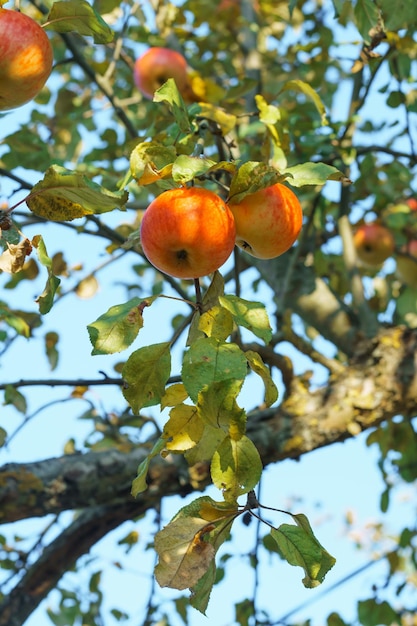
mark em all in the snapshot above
pixel 26 59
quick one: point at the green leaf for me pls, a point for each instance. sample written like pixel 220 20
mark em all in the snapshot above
pixel 374 613
pixel 249 314
pixel 201 591
pixel 66 195
pixel 366 15
pixel 217 322
pixel 209 360
pixel 51 341
pixel 299 546
pixel 187 168
pixel 46 299
pixel 217 404
pixel 236 466
pixel 14 320
pixel 139 484
pixel 307 90
pixel 3 436
pixel 313 174
pixel 398 14
pixel 14 397
pixel 116 329
pixel 80 17
pixel 406 308
pixel 169 93
pixel 145 374
pixel 251 177
pixel 258 366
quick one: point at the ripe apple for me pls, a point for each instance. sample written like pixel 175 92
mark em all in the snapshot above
pixel 412 203
pixel 407 264
pixel 155 66
pixel 268 221
pixel 25 59
pixel 187 232
pixel 374 243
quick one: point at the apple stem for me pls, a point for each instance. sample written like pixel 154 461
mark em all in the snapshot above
pixel 198 296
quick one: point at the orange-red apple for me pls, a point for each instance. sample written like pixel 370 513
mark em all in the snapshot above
pixel 25 59
pixel 155 66
pixel 407 264
pixel 412 203
pixel 268 221
pixel 187 232
pixel 374 243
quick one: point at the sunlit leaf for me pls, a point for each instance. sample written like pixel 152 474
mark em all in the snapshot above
pixel 46 299
pixel 236 467
pixel 186 168
pixel 13 258
pixel 249 314
pixel 169 93
pixel 145 374
pixel 217 322
pixel 174 394
pixel 209 360
pixel 80 17
pixel 183 429
pixel 217 404
pixel 66 195
pixel 313 174
pixel 307 90
pixel 150 161
pixel 116 329
pixel 298 545
pixel 251 177
pixel 258 366
pixel 139 484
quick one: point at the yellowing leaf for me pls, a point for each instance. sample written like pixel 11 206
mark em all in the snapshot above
pixel 13 259
pixel 184 556
pixel 307 90
pixel 145 374
pixel 80 17
pixel 151 161
pixel 236 467
pixel 250 315
pixel 66 195
pixel 258 366
pixel 217 322
pixel 225 120
pixel 217 404
pixel 174 395
pixel 183 428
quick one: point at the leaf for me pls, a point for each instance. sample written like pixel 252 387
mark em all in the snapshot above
pixel 226 121
pixel 139 484
pixel 236 466
pixel 217 322
pixel 66 195
pixel 116 329
pixel 14 320
pixel 210 299
pixel 169 93
pixel 145 374
pixel 174 394
pixel 14 397
pixel 374 613
pixel 307 90
pixel 46 299
pixel 313 174
pixel 208 361
pixel 249 314
pixel 299 546
pixel 366 15
pixel 13 258
pixel 51 341
pixel 398 14
pixel 201 591
pixel 184 555
pixel 186 168
pixel 258 366
pixel 150 161
pixel 217 404
pixel 183 429
pixel 251 177
pixel 80 17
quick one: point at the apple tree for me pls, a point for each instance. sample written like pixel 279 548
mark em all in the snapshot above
pixel 206 389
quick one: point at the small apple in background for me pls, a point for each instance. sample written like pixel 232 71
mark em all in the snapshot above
pixel 25 59
pixel 374 243
pixel 412 203
pixel 187 232
pixel 407 264
pixel 155 66
pixel 268 221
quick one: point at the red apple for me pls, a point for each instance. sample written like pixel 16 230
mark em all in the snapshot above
pixel 268 221
pixel 25 59
pixel 187 232
pixel 412 203
pixel 374 243
pixel 407 264
pixel 155 66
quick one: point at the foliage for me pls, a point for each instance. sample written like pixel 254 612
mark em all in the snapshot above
pixel 278 97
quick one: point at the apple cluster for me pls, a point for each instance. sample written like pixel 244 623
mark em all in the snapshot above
pixel 189 232
pixel 25 59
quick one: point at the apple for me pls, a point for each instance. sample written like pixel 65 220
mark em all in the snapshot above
pixel 407 264
pixel 268 221
pixel 412 203
pixel 155 66
pixel 25 59
pixel 374 243
pixel 187 232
